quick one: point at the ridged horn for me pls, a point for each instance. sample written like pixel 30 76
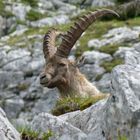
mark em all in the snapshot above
pixel 49 48
pixel 76 31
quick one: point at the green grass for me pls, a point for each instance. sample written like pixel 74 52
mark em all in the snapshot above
pixel 32 3
pixel 122 138
pixel 108 66
pixel 3 12
pixel 33 15
pixel 109 49
pixel 28 134
pixel 69 104
pixel 22 86
pixel 2 7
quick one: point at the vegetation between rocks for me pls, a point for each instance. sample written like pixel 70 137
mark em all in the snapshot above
pixel 28 134
pixel 108 66
pixel 3 12
pixel 109 49
pixel 32 3
pixel 69 104
pixel 33 15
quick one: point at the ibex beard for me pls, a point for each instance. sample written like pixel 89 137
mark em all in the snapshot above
pixel 59 71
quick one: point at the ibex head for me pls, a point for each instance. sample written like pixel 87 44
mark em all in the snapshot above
pixel 59 71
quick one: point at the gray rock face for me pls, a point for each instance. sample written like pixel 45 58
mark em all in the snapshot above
pixel 95 57
pixel 20 10
pixel 123 110
pixel 104 83
pixel 115 36
pixel 61 130
pixel 7 131
pixel 92 71
pixel 60 19
pixel 2 25
pixel 91 64
pixel 46 5
pixel 102 3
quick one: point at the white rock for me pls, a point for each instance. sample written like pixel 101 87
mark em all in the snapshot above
pixel 119 35
pixel 20 10
pixel 120 53
pixel 92 71
pixel 102 3
pixel 115 36
pixel 95 57
pixel 104 83
pixel 60 19
pixel 7 131
pixel 60 129
pixel 94 43
pixel 46 5
pixel 10 78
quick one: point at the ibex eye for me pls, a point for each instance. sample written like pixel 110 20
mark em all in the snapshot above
pixel 62 64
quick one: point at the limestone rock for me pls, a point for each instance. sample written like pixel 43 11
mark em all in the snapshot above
pixel 95 57
pixel 102 3
pixel 50 21
pixel 7 131
pixel 60 129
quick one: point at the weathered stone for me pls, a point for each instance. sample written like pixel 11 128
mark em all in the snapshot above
pixel 17 60
pixel 46 102
pixel 95 57
pixel 13 107
pixel 120 53
pixel 20 10
pixel 104 83
pixel 102 3
pixel 7 131
pixel 94 43
pixel 45 122
pixel 8 79
pixel 50 21
pixel 92 71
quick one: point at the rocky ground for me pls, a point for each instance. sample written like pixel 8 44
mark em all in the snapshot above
pixel 103 46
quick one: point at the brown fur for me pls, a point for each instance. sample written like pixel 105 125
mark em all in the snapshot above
pixel 67 78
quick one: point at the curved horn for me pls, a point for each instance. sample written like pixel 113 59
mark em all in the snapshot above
pixel 76 31
pixel 49 48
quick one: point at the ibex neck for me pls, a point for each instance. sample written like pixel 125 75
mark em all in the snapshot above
pixel 78 85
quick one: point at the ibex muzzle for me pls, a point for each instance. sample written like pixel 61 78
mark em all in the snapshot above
pixel 59 71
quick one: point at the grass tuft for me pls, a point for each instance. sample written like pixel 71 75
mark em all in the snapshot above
pixel 108 66
pixel 69 104
pixel 109 49
pixel 32 3
pixel 28 134
pixel 33 15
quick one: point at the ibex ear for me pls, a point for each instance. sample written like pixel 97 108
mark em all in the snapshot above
pixel 80 61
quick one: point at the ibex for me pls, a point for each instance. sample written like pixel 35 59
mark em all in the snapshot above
pixel 60 72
